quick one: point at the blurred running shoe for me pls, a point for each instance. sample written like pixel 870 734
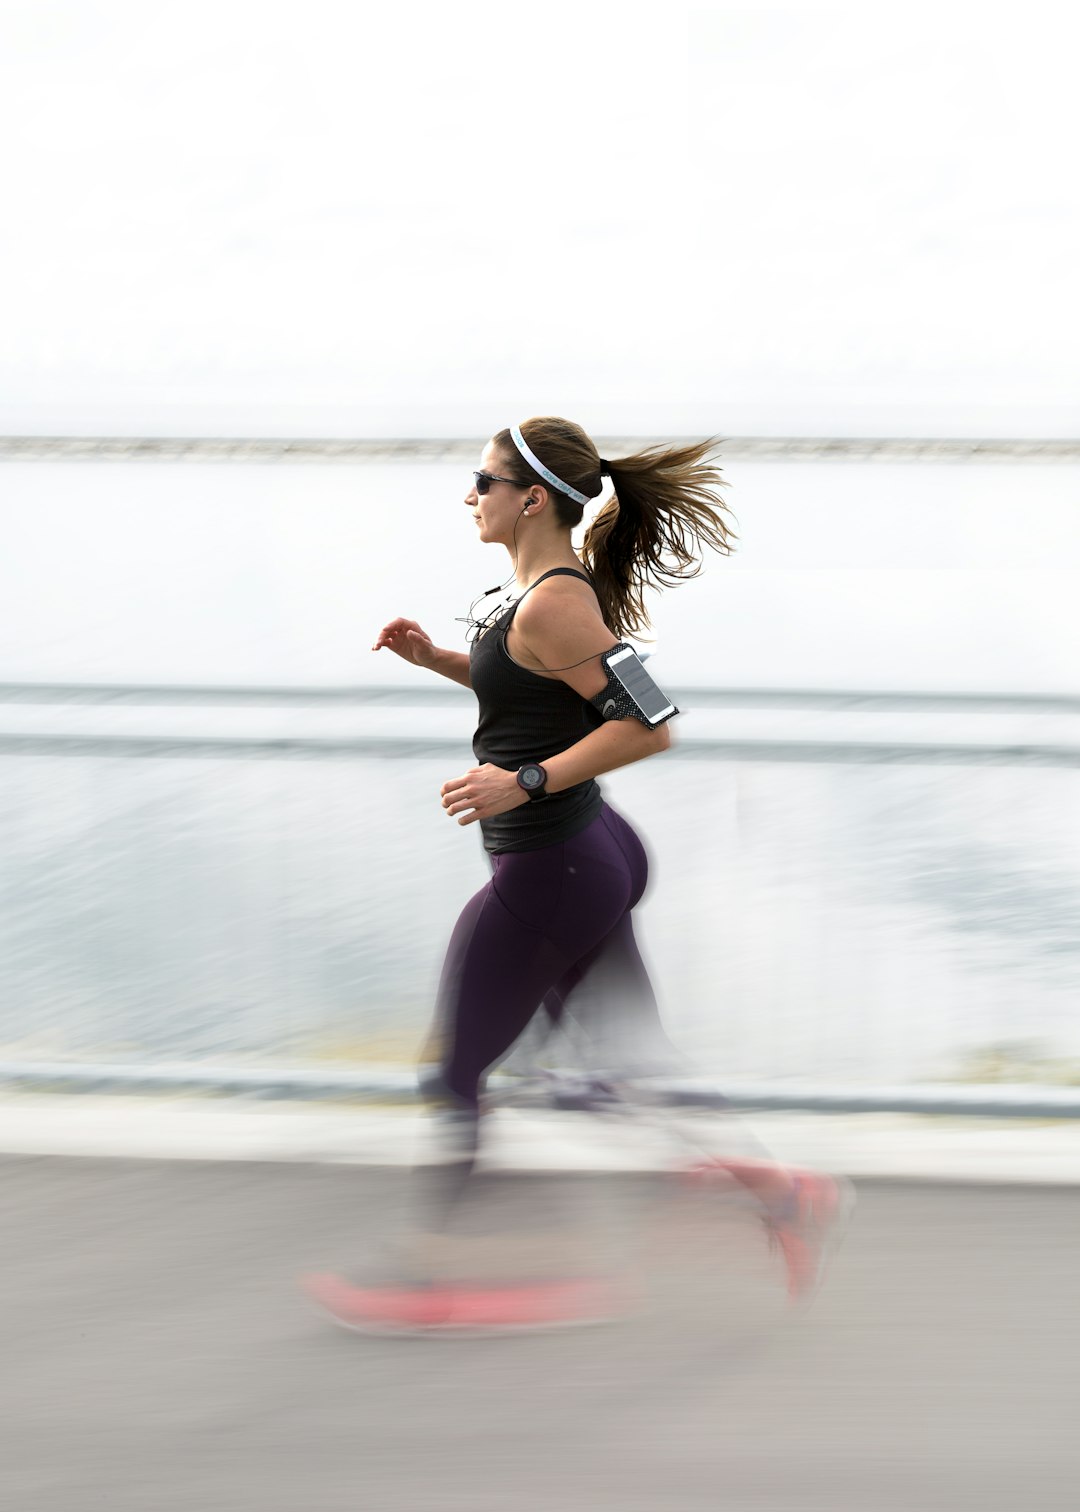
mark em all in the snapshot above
pixel 807 1227
pixel 463 1309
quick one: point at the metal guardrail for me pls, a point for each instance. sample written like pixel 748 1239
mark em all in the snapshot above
pixel 399 1084
pixel 418 696
pixel 1037 731
pixel 293 747
pixel 264 449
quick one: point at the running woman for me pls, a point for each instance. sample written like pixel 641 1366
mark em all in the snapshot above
pixel 567 870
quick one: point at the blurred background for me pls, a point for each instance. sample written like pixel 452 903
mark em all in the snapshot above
pixel 271 279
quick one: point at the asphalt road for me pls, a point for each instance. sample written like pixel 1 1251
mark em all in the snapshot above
pixel 157 1355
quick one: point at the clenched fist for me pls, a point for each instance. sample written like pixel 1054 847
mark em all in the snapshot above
pixel 485 790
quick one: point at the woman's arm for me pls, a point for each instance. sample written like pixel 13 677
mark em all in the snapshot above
pixel 406 639
pixel 484 791
pixel 556 636
pixel 617 743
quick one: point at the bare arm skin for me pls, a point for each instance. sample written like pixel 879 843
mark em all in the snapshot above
pixel 406 639
pixel 555 631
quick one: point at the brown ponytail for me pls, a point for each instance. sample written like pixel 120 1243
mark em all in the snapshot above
pixel 651 533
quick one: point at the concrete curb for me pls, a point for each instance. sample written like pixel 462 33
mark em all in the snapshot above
pixel 907 1147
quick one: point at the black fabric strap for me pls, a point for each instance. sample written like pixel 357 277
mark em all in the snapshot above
pixel 551 572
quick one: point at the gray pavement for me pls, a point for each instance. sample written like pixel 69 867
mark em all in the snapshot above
pixel 159 1356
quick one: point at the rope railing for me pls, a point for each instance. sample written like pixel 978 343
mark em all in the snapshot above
pixel 463 449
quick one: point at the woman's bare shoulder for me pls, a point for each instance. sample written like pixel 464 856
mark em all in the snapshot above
pixel 557 595
pixel 564 629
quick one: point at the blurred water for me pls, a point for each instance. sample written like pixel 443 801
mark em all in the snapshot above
pixel 874 921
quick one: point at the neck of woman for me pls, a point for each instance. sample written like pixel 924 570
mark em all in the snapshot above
pixel 534 559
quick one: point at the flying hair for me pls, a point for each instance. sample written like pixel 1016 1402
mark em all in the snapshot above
pixel 665 510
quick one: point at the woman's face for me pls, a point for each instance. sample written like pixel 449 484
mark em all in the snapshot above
pixel 498 511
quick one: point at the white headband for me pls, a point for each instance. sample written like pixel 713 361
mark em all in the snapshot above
pixel 545 472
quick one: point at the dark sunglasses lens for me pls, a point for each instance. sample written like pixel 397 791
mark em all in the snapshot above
pixel 483 482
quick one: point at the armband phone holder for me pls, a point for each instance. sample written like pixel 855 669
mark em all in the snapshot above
pixel 630 692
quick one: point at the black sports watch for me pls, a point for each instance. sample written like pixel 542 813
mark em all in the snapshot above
pixel 532 779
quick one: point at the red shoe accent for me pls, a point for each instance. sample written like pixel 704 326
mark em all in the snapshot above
pixel 460 1308
pixel 808 1228
pixel 375 1307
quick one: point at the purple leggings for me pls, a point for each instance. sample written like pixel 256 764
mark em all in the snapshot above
pixel 549 922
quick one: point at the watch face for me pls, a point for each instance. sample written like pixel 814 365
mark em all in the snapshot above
pixel 531 777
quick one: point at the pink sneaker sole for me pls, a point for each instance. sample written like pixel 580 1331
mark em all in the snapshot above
pixel 465 1309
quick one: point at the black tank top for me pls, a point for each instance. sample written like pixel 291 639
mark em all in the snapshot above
pixel 526 717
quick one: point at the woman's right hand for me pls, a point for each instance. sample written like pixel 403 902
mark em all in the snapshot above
pixel 406 639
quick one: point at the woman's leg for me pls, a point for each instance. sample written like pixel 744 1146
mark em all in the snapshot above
pixel 543 912
pixel 607 994
pixel 553 926
pixel 607 1003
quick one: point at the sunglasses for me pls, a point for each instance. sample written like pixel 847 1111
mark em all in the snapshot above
pixel 484 480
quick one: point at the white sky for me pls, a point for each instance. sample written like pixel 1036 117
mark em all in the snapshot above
pixel 241 217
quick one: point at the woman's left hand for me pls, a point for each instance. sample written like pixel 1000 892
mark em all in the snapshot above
pixel 485 790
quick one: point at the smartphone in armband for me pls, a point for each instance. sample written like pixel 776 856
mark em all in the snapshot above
pixel 631 692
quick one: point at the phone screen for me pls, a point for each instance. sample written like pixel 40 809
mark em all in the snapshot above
pixel 651 700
